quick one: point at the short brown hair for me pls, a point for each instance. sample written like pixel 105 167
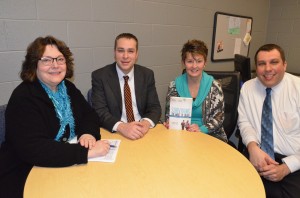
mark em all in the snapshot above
pixel 270 47
pixel 36 50
pixel 128 36
pixel 194 47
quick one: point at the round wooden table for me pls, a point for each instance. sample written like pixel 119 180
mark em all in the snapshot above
pixel 164 163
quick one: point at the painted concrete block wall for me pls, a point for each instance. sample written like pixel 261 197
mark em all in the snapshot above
pixel 284 29
pixel 89 27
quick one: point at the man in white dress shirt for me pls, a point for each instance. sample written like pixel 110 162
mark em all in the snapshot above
pixel 281 177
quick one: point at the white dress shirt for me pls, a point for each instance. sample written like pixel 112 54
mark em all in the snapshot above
pixel 137 116
pixel 286 116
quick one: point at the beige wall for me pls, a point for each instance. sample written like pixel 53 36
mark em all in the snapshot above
pixel 284 29
pixel 90 26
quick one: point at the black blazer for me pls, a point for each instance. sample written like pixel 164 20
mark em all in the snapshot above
pixel 107 99
pixel 31 127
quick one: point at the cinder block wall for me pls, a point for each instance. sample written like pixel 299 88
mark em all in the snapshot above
pixel 284 29
pixel 89 27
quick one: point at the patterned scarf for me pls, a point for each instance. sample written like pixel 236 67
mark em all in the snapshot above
pixel 62 104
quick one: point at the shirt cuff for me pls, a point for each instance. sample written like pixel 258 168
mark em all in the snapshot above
pixel 292 162
pixel 150 121
pixel 116 126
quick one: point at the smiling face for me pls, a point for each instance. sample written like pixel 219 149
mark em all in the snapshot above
pixel 53 74
pixel 126 54
pixel 270 67
pixel 194 65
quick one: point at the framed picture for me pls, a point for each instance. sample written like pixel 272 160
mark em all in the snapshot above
pixel 232 35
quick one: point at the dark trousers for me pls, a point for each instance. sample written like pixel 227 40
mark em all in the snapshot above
pixel 288 187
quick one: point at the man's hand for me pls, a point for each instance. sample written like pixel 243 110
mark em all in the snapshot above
pixel 265 165
pixel 258 157
pixel 274 173
pixel 132 130
pixel 146 126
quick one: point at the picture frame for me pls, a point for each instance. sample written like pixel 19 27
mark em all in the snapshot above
pixel 231 35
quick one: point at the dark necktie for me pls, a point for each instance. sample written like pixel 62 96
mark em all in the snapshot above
pixel 128 101
pixel 267 125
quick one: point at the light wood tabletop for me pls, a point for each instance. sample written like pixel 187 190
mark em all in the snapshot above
pixel 164 163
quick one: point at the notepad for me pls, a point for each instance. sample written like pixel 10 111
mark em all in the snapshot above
pixel 111 155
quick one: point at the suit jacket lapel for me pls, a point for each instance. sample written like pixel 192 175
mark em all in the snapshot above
pixel 113 82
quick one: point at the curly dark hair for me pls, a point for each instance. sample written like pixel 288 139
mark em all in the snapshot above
pixel 36 50
pixel 194 47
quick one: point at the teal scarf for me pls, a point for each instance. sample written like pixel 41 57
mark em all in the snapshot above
pixel 62 104
pixel 182 88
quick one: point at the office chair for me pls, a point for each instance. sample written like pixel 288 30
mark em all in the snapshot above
pixel 2 123
pixel 89 96
pixel 230 81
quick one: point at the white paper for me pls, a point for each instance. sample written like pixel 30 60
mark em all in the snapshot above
pixel 111 155
pixel 248 27
pixel 237 46
pixel 234 26
pixel 247 39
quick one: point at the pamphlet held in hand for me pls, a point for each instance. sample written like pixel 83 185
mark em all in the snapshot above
pixel 180 113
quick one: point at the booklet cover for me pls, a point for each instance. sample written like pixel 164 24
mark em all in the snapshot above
pixel 180 113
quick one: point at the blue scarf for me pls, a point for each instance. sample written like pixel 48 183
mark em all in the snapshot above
pixel 182 87
pixel 62 104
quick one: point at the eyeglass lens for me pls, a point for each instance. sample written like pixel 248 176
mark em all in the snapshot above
pixel 49 60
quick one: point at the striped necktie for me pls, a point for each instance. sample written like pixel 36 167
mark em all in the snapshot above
pixel 128 100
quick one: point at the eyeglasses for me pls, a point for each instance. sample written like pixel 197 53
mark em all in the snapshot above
pixel 48 61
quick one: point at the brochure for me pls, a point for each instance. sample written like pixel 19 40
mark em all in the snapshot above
pixel 180 113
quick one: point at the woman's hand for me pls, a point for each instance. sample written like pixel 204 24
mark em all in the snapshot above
pixel 193 128
pixel 166 123
pixel 87 140
pixel 101 148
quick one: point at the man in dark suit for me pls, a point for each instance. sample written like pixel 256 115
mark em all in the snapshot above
pixel 108 92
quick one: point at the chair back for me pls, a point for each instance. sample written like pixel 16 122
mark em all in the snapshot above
pixel 230 81
pixel 89 96
pixel 2 123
